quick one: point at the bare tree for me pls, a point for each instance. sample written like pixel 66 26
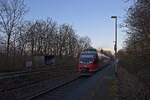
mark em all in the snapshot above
pixel 84 42
pixel 11 13
pixel 46 37
pixel 2 45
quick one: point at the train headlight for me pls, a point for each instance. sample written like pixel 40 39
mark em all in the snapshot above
pixel 90 62
pixel 81 62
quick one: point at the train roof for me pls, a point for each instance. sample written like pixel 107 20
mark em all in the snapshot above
pixel 90 49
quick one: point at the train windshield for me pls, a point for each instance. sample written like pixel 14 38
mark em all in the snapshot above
pixel 86 57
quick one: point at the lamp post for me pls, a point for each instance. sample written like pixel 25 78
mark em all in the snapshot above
pixel 115 46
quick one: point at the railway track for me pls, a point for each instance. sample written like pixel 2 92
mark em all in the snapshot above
pixel 28 85
pixel 61 85
pixel 37 90
pixel 69 90
pixel 52 89
pixel 36 84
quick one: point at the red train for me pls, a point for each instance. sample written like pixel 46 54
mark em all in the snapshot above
pixel 91 60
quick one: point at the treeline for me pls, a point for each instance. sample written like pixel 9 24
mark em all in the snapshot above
pixel 136 54
pixel 46 37
pixel 38 37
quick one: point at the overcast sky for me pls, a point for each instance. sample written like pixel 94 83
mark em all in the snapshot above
pixel 88 17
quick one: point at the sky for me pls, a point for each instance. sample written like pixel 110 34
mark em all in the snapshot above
pixel 90 18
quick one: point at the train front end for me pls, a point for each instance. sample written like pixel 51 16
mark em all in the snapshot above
pixel 88 61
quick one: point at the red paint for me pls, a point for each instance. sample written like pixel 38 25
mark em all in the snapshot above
pixel 92 67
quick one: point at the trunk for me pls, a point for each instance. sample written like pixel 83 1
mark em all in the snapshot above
pixel 8 45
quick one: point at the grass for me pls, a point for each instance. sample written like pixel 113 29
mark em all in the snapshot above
pixel 18 63
pixel 112 90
